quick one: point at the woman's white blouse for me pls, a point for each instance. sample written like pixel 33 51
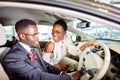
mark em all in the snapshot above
pixel 60 50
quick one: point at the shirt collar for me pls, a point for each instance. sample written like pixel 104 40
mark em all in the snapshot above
pixel 25 46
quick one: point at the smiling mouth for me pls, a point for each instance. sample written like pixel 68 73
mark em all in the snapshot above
pixel 55 38
pixel 36 42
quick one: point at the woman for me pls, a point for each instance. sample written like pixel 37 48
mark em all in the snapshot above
pixel 56 50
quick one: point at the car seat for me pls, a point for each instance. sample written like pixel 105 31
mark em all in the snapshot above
pixel 3 51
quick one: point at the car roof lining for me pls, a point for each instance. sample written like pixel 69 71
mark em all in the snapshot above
pixel 54 10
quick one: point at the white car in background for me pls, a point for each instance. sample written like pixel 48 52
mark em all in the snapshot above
pixel 86 19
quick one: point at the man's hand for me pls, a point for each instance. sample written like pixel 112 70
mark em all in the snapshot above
pixel 77 75
pixel 62 67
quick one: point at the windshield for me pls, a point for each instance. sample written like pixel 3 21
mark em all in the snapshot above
pixel 101 31
pixel 111 2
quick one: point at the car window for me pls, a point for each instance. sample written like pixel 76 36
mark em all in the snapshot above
pixel 45 33
pixel 96 30
pixel 10 32
pixel 101 31
pixel 111 2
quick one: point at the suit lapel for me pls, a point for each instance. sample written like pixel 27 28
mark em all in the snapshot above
pixel 40 59
pixel 42 66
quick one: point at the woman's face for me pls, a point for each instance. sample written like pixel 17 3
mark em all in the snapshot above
pixel 58 33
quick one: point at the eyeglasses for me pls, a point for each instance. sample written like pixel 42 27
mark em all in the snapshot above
pixel 34 34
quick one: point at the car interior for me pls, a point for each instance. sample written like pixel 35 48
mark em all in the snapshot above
pixel 45 14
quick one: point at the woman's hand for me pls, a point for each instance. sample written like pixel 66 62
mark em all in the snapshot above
pixel 92 43
pixel 89 44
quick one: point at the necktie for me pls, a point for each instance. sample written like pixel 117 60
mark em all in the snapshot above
pixel 33 50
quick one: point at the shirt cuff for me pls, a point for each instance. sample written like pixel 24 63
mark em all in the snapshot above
pixel 61 72
pixel 71 77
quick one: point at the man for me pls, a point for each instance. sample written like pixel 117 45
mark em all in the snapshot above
pixel 21 63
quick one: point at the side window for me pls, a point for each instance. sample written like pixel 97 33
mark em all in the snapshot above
pixel 10 33
pixel 45 32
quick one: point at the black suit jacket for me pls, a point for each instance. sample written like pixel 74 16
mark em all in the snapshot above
pixel 19 67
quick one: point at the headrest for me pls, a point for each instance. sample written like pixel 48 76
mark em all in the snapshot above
pixel 2 36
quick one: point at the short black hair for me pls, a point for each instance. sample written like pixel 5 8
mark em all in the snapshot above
pixel 22 24
pixel 62 23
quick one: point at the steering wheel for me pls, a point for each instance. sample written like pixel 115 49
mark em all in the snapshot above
pixel 94 62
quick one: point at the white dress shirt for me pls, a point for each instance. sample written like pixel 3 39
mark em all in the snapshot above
pixel 26 47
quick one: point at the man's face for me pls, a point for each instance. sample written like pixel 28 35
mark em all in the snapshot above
pixel 29 36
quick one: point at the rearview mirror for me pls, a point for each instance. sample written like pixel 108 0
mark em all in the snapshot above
pixel 82 24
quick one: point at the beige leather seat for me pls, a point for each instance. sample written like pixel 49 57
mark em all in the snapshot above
pixel 3 51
